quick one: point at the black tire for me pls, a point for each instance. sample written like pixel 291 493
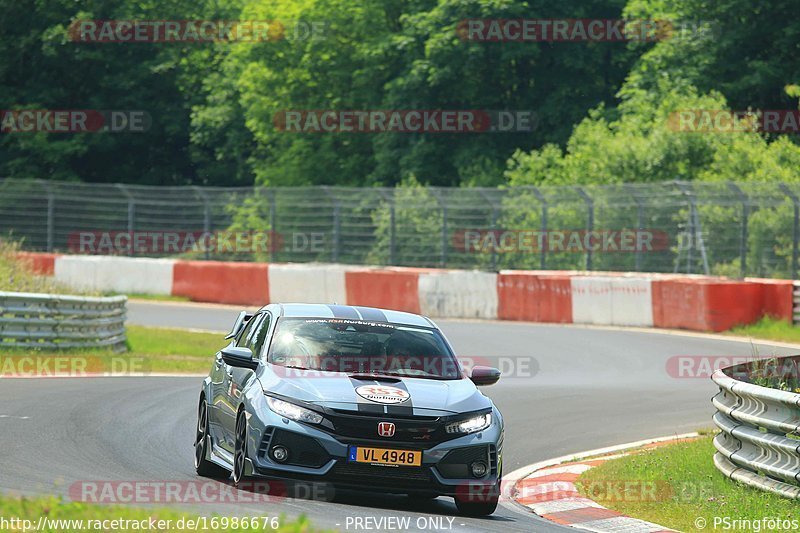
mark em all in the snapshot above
pixel 480 505
pixel 477 508
pixel 203 466
pixel 240 449
pixel 422 496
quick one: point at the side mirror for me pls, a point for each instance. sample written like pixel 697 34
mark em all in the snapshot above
pixel 239 357
pixel 484 375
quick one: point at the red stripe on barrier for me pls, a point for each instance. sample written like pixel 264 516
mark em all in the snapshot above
pixel 221 282
pixel 778 297
pixel 534 297
pixel 706 305
pixel 394 288
pixel 43 264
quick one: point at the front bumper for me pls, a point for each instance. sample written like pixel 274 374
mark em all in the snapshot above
pixel 320 456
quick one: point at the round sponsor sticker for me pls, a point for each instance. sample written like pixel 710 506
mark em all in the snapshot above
pixel 382 394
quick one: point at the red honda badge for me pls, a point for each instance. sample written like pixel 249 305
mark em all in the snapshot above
pixel 386 429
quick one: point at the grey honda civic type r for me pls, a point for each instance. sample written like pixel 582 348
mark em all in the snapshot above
pixel 350 397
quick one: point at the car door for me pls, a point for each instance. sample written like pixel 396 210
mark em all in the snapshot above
pixel 239 378
pixel 222 376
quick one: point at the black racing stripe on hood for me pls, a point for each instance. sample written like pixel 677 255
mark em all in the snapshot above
pixel 344 311
pixel 401 409
pixel 369 313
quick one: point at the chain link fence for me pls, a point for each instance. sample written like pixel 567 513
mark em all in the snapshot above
pixel 734 229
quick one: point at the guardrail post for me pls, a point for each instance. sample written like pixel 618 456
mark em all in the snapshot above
pixel 743 237
pixel 589 223
pixel 795 226
pixel 544 240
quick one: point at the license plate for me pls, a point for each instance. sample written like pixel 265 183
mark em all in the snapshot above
pixel 384 456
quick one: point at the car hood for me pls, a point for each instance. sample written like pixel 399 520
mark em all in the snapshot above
pixel 427 397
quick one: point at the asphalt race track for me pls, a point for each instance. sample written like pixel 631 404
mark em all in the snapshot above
pixel 586 388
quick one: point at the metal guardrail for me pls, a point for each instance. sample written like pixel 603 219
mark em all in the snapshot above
pixel 55 321
pixel 758 443
pixel 796 302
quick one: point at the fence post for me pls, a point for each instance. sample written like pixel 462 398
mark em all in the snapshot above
pixel 443 208
pixel 336 224
pixel 493 225
pixel 795 226
pixel 206 219
pixel 131 215
pixel 273 221
pixel 743 237
pixel 51 211
pixel 544 240
pixel 589 223
pixel 639 217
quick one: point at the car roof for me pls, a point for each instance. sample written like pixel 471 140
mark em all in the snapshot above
pixel 354 312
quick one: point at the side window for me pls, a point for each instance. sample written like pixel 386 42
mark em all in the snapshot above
pixel 256 342
pixel 241 340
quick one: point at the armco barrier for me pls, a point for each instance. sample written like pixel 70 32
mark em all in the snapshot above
pixel 392 288
pixel 700 303
pixel 754 421
pixel 534 296
pixel 458 294
pixel 29 320
pixel 221 282
pixel 115 274
pixel 307 283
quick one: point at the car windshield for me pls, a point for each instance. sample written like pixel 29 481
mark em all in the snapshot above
pixel 362 347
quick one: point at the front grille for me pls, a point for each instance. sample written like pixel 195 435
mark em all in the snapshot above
pixel 419 431
pixel 364 474
pixel 455 464
pixel 303 450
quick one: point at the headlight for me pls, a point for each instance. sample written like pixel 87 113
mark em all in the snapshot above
pixel 293 412
pixel 470 425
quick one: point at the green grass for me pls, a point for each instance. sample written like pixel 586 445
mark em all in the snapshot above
pixel 150 350
pixel 674 485
pixel 57 509
pixel 769 329
pixel 15 275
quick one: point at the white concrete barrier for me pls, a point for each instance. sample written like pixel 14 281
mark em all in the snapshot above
pixel 458 294
pixel 619 301
pixel 130 275
pixel 307 283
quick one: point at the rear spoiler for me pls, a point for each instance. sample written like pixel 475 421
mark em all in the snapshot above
pixel 241 320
